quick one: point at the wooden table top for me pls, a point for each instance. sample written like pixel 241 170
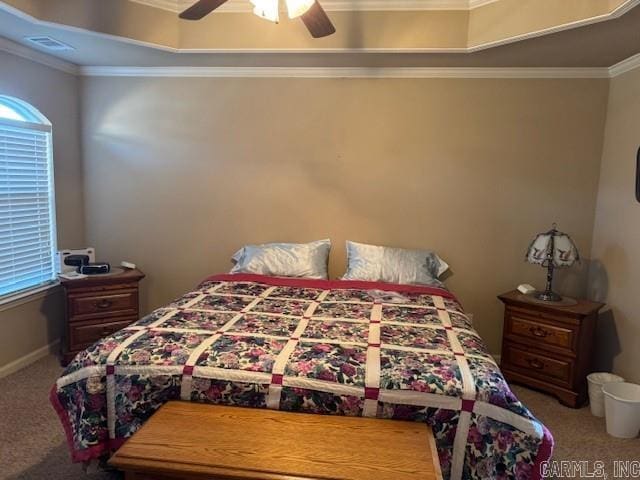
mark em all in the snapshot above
pixel 249 443
pixel 581 308
pixel 117 275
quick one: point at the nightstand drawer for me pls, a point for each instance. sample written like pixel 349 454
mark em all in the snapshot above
pixel 83 335
pixel 123 302
pixel 537 365
pixel 540 332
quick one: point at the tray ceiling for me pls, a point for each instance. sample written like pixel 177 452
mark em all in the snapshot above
pixel 124 33
pixel 488 25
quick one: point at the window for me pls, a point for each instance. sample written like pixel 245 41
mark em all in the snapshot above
pixel 27 211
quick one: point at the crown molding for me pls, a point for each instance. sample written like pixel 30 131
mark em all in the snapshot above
pixel 619 68
pixel 239 6
pixel 479 3
pixel 7 45
pixel 625 66
pixel 169 5
pixel 28 53
pixel 343 72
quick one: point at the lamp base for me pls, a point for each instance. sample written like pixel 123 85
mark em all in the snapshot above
pixel 548 296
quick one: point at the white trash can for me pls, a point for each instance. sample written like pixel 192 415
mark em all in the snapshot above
pixel 596 397
pixel 622 406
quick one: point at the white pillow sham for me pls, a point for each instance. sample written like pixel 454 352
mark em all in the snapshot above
pixel 393 265
pixel 308 260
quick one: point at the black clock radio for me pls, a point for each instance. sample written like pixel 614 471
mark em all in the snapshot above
pixel 95 268
pixel 76 261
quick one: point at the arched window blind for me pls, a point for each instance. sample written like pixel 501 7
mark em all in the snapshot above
pixel 27 210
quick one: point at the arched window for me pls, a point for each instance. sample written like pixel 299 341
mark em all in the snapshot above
pixel 27 210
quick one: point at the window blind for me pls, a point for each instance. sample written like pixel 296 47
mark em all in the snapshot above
pixel 27 226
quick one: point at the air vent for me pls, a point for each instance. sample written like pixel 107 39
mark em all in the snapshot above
pixel 48 43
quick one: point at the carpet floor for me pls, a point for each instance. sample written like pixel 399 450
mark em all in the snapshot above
pixel 32 444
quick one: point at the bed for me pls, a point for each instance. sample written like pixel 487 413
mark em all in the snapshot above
pixel 324 347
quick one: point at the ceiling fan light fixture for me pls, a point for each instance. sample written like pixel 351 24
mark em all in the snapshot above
pixel 309 11
pixel 267 9
pixel 297 8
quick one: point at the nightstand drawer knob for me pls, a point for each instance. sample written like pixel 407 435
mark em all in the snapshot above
pixel 539 332
pixel 534 363
pixel 104 303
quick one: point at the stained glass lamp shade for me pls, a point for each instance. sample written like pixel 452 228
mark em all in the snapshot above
pixel 551 250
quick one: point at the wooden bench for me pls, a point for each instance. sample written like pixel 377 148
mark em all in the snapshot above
pixel 188 440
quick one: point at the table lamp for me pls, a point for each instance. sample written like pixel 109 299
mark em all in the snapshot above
pixel 551 250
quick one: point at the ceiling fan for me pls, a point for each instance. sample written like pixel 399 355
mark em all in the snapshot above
pixel 310 11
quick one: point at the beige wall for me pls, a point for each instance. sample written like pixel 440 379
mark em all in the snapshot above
pixel 505 19
pixel 181 172
pixel 615 275
pixel 26 327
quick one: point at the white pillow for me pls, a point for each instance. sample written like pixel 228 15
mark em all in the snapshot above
pixel 308 260
pixel 393 265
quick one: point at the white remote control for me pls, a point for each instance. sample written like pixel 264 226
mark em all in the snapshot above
pixel 72 275
pixel 128 265
pixel 526 289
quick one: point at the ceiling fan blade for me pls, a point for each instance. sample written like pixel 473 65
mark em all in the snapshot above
pixel 201 9
pixel 318 22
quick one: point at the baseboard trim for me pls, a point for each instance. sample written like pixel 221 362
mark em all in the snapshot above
pixel 29 358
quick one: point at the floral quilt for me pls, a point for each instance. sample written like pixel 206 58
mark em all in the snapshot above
pixel 325 347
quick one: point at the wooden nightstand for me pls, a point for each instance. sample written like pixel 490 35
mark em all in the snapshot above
pixel 549 347
pixel 97 306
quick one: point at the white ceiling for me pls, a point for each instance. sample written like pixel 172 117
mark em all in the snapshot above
pixel 334 5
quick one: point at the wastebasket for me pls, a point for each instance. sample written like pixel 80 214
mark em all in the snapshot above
pixel 596 397
pixel 622 406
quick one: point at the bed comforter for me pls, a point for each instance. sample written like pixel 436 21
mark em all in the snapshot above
pixel 325 347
